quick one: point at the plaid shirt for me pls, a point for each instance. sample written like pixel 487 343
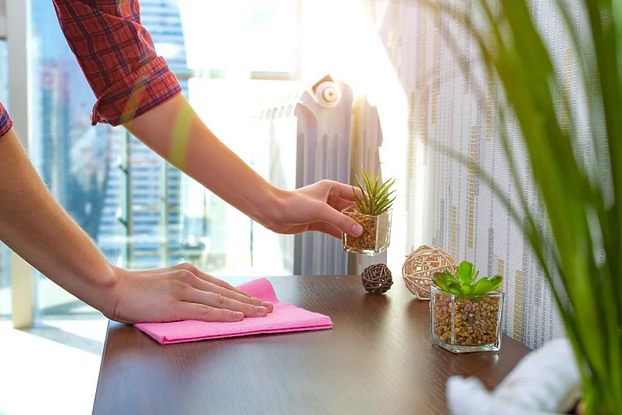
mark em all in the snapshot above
pixel 5 121
pixel 117 56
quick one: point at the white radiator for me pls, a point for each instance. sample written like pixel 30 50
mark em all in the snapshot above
pixel 321 133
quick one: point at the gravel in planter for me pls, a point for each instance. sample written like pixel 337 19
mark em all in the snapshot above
pixel 367 241
pixel 475 320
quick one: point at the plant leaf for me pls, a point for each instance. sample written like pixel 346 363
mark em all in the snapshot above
pixel 448 277
pixel 464 272
pixel 359 203
pixel 467 289
pixel 438 280
pixel 384 194
pixel 370 191
pixel 385 187
pixel 376 195
pixel 454 288
pixel 482 286
pixel 365 197
pixel 384 207
pixel 496 281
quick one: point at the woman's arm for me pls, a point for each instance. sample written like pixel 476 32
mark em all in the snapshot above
pixel 174 131
pixel 136 88
pixel 36 227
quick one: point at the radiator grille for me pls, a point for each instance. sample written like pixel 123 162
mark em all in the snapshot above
pixel 320 133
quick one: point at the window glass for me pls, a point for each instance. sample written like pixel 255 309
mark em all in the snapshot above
pixel 140 211
pixel 5 282
pixel 78 162
pixel 5 256
pixel 274 40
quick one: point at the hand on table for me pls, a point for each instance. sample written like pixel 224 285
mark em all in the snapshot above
pixel 317 208
pixel 178 293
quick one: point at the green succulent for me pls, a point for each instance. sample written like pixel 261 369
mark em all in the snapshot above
pixel 376 196
pixel 465 281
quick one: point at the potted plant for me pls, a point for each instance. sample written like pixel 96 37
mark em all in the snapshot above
pixel 373 212
pixel 466 311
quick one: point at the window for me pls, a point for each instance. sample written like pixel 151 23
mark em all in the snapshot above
pixel 259 36
pixel 274 40
pixel 5 282
pixel 239 55
pixel 5 256
pixel 77 162
pixel 141 212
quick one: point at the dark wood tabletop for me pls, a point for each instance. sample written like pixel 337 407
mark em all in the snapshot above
pixel 377 359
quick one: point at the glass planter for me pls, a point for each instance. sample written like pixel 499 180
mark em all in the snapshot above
pixel 464 324
pixel 376 232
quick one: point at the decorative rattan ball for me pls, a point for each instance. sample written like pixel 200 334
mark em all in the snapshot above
pixel 421 265
pixel 377 279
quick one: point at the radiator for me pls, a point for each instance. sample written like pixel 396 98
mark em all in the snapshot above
pixel 319 133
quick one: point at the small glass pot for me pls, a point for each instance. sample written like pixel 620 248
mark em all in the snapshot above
pixel 463 324
pixel 376 235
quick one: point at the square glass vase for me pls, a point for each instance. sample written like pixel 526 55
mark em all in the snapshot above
pixel 463 324
pixel 376 235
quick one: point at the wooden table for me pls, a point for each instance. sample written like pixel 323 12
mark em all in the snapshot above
pixel 377 359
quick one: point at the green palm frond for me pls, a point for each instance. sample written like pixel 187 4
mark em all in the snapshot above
pixel 377 197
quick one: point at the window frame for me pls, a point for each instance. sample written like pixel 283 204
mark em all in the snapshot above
pixel 17 31
pixel 15 28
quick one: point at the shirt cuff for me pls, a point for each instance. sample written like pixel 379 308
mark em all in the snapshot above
pixel 5 121
pixel 150 86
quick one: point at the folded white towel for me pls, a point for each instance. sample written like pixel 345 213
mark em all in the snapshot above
pixel 546 381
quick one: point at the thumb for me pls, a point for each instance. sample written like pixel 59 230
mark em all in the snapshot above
pixel 344 223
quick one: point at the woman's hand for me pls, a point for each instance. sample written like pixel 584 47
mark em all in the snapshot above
pixel 316 208
pixel 196 151
pixel 178 293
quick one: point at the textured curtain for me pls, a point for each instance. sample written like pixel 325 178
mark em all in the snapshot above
pixel 452 105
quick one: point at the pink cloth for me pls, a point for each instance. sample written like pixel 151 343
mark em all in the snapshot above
pixel 285 318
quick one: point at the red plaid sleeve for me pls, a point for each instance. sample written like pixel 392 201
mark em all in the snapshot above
pixel 117 56
pixel 5 121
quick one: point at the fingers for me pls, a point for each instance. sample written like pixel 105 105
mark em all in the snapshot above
pixel 220 301
pixel 329 215
pixel 326 228
pixel 202 312
pixel 341 204
pixel 255 306
pixel 175 294
pixel 240 295
pixel 227 289
pixel 344 191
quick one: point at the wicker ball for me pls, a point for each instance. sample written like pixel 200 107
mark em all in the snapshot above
pixel 377 279
pixel 421 265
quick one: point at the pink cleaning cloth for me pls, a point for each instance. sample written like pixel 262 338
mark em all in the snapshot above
pixel 285 318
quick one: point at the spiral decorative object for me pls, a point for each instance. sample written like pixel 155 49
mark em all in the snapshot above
pixel 377 279
pixel 421 265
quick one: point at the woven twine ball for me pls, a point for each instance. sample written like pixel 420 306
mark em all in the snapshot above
pixel 377 279
pixel 421 265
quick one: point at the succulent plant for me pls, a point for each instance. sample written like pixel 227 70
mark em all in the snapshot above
pixel 465 281
pixel 376 196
